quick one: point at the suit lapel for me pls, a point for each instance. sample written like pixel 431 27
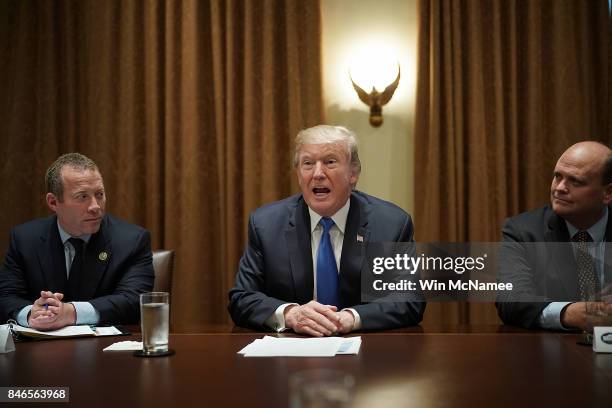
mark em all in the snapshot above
pixel 298 236
pixel 356 237
pixel 97 257
pixel 52 259
pixel 563 255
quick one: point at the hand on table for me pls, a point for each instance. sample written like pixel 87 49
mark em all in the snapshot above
pixel 50 313
pixel 313 318
pixel 576 315
pixel 346 321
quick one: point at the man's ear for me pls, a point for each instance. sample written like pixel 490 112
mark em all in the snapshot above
pixel 353 178
pixel 52 201
pixel 607 198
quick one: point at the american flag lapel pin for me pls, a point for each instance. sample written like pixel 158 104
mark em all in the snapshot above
pixel 359 238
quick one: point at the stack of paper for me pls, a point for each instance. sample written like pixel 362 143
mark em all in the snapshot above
pixel 300 347
pixel 68 331
pixel 124 346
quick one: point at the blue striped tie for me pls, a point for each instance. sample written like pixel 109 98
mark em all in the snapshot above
pixel 327 271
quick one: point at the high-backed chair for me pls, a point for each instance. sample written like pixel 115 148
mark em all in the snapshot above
pixel 163 262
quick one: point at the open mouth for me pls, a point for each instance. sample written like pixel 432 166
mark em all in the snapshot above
pixel 321 191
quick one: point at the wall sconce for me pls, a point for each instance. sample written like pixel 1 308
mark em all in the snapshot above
pixel 376 100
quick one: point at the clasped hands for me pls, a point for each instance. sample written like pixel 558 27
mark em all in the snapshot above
pixel 316 319
pixel 50 313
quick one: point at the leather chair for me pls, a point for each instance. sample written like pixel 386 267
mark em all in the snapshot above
pixel 163 262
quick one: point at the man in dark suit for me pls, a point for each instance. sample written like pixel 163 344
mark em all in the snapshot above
pixel 79 266
pixel 301 269
pixel 546 252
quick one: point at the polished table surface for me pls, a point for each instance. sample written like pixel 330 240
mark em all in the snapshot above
pixel 420 367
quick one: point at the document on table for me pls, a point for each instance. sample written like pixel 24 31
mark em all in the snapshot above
pixel 300 347
pixel 124 346
pixel 68 331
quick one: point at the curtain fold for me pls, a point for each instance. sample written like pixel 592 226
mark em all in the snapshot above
pixel 503 88
pixel 189 108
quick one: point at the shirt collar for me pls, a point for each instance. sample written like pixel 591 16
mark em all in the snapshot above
pixel 66 236
pixel 597 230
pixel 339 217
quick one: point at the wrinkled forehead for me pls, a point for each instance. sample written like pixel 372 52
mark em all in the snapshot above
pixel 584 157
pixel 324 149
pixel 580 164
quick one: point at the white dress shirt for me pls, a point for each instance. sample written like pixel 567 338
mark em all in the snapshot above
pixel 277 320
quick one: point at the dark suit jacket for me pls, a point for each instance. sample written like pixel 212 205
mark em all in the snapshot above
pixel 35 261
pixel 277 268
pixel 537 257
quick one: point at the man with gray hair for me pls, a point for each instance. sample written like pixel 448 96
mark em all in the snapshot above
pixel 301 268
pixel 79 266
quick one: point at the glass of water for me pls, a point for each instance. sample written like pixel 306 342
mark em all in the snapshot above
pixel 155 322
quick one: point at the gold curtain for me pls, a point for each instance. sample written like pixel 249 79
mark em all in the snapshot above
pixel 504 86
pixel 188 107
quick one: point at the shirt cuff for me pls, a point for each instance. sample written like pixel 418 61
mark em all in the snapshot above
pixel 86 313
pixel 22 316
pixel 551 316
pixel 277 320
pixel 357 324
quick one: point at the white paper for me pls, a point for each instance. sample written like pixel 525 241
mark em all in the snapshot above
pixel 350 345
pixel 107 331
pixel 125 346
pixel 6 339
pixel 251 346
pixel 300 347
pixel 602 339
pixel 68 331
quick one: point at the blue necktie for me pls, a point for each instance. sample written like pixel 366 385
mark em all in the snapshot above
pixel 327 271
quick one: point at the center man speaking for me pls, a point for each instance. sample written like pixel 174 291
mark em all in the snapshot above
pixel 302 266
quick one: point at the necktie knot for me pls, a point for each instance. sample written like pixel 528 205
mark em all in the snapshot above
pixel 327 223
pixel 582 236
pixel 77 243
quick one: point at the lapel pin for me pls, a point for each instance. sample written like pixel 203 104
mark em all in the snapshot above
pixel 359 238
pixel 103 256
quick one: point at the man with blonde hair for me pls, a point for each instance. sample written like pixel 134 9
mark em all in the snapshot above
pixel 302 264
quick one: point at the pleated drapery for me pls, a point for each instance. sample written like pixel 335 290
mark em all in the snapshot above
pixel 188 107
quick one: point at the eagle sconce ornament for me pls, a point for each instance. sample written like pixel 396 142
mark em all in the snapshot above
pixel 376 100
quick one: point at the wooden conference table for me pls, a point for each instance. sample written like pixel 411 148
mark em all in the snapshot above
pixel 421 367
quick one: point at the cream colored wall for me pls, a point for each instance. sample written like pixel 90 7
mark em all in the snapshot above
pixel 386 152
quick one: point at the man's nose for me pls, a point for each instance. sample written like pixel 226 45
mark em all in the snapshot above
pixel 94 205
pixel 318 171
pixel 561 186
